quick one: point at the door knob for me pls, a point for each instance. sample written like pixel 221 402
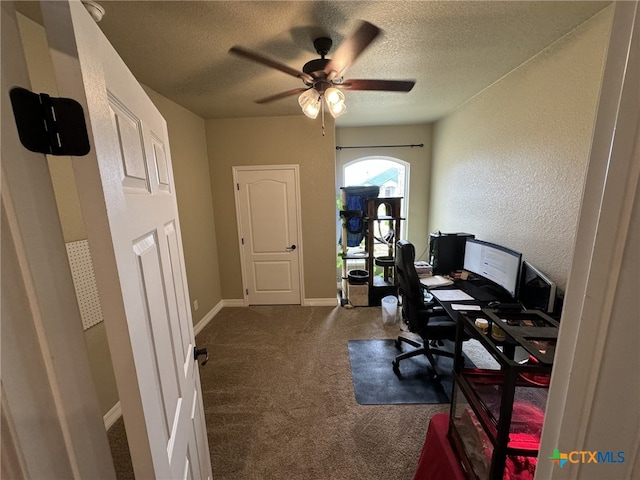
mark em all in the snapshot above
pixel 291 248
pixel 201 351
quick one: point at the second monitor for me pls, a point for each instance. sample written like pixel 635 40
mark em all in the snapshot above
pixel 537 291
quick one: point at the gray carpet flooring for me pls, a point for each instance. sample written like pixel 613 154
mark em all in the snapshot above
pixel 279 399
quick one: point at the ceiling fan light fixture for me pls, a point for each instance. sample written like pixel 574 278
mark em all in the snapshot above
pixel 321 75
pixel 335 101
pixel 309 101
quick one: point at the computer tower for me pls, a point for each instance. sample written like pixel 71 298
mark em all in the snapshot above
pixel 446 251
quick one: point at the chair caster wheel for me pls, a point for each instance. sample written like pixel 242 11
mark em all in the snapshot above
pixel 396 367
pixel 398 343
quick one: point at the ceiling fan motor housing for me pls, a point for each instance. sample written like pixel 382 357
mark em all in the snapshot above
pixel 316 67
pixel 322 45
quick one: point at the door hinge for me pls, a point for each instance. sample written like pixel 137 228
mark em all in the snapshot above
pixel 242 240
pixel 246 291
pixel 237 186
pixel 50 125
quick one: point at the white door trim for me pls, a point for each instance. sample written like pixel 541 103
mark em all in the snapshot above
pixel 597 306
pixel 296 172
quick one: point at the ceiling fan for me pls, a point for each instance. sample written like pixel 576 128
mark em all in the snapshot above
pixel 323 78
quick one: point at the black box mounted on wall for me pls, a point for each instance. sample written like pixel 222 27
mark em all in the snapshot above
pixel 446 251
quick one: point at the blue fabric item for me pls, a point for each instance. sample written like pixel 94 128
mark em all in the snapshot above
pixel 356 199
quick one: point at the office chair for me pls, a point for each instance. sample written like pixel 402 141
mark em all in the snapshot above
pixel 430 322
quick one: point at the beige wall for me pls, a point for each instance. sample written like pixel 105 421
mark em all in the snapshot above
pixel 509 165
pixel 419 160
pixel 277 141
pixel 190 163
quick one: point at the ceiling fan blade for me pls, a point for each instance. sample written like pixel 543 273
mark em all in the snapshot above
pixel 278 96
pixel 386 85
pixel 256 57
pixel 351 49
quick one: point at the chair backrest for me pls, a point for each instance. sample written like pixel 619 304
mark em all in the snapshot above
pixel 408 282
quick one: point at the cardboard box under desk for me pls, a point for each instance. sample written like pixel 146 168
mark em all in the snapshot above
pixel 359 295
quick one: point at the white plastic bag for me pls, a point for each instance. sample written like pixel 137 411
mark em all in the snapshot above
pixel 389 310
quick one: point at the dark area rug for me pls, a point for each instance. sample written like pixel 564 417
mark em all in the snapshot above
pixel 375 383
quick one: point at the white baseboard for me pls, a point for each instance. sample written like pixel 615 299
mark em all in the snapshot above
pixel 238 302
pixel 234 302
pixel 112 416
pixel 320 302
pixel 197 328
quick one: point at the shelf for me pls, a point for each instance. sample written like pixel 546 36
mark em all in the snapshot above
pixel 351 213
pixel 372 257
pixel 354 256
pixel 483 391
pixel 386 262
pixel 383 218
pixel 497 414
pixel 381 282
pixel 535 331
pixel 479 450
pixel 532 330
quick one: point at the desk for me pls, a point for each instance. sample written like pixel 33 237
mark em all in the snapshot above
pixel 455 301
pixel 497 414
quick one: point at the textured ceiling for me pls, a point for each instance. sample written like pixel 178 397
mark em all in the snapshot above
pixel 453 49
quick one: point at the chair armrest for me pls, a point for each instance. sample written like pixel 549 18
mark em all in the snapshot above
pixel 426 295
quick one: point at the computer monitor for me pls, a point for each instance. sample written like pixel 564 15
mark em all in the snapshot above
pixel 446 251
pixel 496 263
pixel 537 291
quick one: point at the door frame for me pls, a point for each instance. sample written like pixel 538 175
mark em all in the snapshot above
pixel 243 262
pixel 597 305
pixel 47 388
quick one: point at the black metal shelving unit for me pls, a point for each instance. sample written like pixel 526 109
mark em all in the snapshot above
pixel 370 291
pixel 497 414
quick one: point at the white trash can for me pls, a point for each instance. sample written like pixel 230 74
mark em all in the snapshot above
pixel 389 310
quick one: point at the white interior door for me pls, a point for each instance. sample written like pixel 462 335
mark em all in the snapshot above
pixel 267 205
pixel 127 195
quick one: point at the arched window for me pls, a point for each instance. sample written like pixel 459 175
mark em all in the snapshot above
pixel 388 173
